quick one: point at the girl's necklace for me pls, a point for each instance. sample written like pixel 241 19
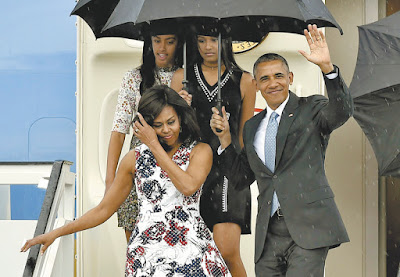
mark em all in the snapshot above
pixel 211 67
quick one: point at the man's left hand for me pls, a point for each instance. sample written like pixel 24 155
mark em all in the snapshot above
pixel 319 52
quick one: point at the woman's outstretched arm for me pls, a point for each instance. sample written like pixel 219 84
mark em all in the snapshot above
pixel 99 214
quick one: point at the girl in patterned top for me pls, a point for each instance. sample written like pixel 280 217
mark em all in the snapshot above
pixel 170 237
pixel 162 55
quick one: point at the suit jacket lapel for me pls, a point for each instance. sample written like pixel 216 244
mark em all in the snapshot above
pixel 251 130
pixel 288 115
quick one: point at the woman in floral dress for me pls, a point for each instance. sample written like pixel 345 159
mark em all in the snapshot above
pixel 170 237
pixel 162 55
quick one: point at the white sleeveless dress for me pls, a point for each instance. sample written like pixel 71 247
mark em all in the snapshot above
pixel 170 237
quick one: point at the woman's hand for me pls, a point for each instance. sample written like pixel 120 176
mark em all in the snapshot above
pixel 45 239
pixel 186 96
pixel 218 122
pixel 144 132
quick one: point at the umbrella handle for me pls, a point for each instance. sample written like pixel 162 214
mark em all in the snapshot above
pixel 219 108
pixel 185 81
pixel 185 85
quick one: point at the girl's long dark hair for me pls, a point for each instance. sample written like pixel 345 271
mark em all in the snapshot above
pixel 147 69
pixel 227 56
pixel 156 98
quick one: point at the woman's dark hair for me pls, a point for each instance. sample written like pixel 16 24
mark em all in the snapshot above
pixel 147 69
pixel 156 98
pixel 226 52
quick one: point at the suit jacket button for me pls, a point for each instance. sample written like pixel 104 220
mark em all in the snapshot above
pixel 275 176
pixel 269 202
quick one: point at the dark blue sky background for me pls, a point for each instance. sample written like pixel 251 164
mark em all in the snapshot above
pixel 37 89
pixel 37 79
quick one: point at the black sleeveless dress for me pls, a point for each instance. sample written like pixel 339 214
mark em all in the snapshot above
pixel 220 202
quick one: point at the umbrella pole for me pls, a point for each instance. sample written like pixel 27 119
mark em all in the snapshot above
pixel 219 98
pixel 184 81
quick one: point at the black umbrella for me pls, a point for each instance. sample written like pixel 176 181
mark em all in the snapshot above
pixel 96 13
pixel 121 17
pixel 376 90
pixel 243 20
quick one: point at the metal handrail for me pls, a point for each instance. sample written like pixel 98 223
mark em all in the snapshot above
pixel 60 176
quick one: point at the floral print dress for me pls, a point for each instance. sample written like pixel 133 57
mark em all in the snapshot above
pixel 170 237
pixel 125 112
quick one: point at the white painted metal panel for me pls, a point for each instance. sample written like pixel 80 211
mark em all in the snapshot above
pixel 5 202
pixel 15 174
pixel 13 234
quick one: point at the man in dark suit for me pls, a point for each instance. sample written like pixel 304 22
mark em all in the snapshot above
pixel 284 150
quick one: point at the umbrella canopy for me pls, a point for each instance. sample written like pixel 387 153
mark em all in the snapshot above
pixel 123 18
pixel 96 13
pixel 241 20
pixel 376 90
